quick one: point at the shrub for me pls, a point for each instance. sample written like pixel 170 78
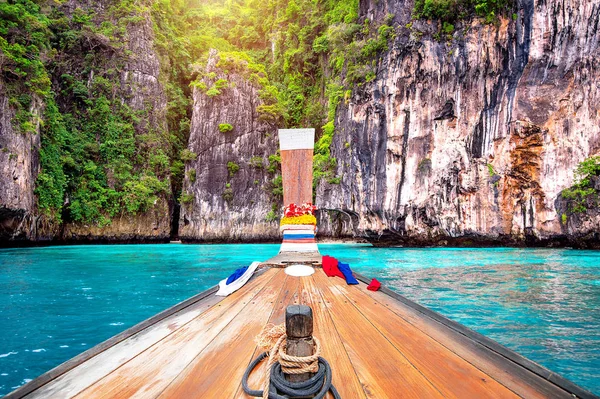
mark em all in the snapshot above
pixel 186 198
pixel 582 192
pixel 227 193
pixel 191 174
pixel 274 163
pixel 256 162
pixel 277 187
pixel 233 168
pixel 199 84
pixel 270 113
pixel 225 127
pixel 324 164
pixel 213 92
pixel 187 155
pixel 221 84
pixel 586 169
pixel 380 43
pixel 140 195
pixel 453 10
pixel 321 44
pixel 272 216
pixel 447 28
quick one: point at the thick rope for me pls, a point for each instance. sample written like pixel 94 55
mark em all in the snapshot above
pixel 280 363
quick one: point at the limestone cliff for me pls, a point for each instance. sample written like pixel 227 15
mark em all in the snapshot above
pixel 227 191
pixel 18 171
pixel 138 87
pixel 470 140
pixel 467 139
pixel 141 89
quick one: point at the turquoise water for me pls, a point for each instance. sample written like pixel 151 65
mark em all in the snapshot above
pixel 56 302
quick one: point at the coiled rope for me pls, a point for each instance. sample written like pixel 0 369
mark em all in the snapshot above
pixel 280 363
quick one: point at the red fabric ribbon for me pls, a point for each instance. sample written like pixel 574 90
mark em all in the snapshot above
pixel 330 267
pixel 374 286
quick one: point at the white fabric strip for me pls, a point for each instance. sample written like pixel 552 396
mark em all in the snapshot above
pixel 299 227
pixel 293 247
pixel 225 289
pixel 298 232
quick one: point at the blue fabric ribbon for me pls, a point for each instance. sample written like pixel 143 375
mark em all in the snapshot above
pixel 297 236
pixel 236 274
pixel 345 269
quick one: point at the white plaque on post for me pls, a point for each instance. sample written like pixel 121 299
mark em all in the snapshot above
pixel 296 139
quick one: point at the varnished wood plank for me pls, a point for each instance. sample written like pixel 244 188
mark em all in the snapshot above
pixel 103 346
pixel 218 369
pixel 79 378
pixel 423 357
pixel 286 258
pixel 290 294
pixel 152 370
pixel 501 369
pixel 383 371
pixel 452 375
pixel 296 291
pixel 344 376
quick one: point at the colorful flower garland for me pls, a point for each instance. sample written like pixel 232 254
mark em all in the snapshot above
pixel 294 210
pixel 303 214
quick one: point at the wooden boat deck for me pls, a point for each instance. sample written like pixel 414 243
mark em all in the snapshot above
pixel 284 259
pixel 379 347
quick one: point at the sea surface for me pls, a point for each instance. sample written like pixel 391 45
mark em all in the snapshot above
pixel 56 302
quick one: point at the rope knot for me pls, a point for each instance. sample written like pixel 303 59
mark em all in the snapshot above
pixel 300 364
pixel 273 339
pixel 270 335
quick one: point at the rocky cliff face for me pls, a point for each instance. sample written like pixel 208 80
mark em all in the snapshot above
pixel 470 140
pixel 461 141
pixel 18 170
pixel 141 89
pixel 227 191
pixel 153 225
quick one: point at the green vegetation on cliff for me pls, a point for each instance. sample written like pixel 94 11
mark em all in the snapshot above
pixel 305 55
pixel 225 127
pixel 99 157
pixel 449 11
pixel 106 149
pixel 24 36
pixel 584 194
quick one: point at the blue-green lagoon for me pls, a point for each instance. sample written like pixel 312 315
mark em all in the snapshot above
pixel 56 302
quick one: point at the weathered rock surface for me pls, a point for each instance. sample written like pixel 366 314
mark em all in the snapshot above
pixel 151 226
pixel 228 206
pixel 464 141
pixel 19 167
pixel 581 228
pixel 471 140
pixel 142 90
